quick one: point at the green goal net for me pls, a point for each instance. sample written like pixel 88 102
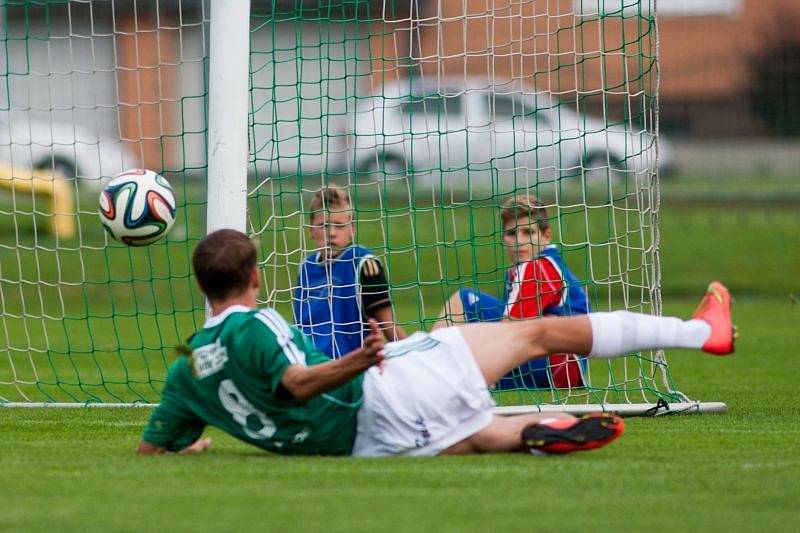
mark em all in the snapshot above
pixel 431 114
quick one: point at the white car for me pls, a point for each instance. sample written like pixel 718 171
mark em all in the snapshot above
pixel 487 126
pixel 72 150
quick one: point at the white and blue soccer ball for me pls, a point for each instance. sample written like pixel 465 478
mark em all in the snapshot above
pixel 137 207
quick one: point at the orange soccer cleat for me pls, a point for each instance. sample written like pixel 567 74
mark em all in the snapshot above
pixel 565 435
pixel 715 309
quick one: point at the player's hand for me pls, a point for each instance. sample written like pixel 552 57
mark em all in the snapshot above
pixel 200 445
pixel 373 346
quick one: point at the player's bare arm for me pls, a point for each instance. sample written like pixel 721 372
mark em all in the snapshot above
pixel 305 383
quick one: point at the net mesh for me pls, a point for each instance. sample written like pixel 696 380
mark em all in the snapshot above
pixel 433 115
pixel 430 113
pixel 90 89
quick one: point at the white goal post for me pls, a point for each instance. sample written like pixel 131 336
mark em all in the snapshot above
pixel 229 62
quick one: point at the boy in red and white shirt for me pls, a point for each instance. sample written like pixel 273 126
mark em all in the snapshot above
pixel 538 284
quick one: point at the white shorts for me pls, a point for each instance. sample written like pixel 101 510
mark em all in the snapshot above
pixel 430 396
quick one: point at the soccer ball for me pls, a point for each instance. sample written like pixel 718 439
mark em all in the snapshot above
pixel 137 207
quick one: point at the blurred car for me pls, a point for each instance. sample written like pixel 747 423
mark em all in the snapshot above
pixel 72 150
pixel 485 126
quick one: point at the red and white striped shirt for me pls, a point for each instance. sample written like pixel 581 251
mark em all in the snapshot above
pixel 533 287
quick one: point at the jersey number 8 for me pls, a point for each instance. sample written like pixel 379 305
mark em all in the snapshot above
pixel 237 405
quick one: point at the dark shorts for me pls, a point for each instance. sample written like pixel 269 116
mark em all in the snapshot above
pixel 481 307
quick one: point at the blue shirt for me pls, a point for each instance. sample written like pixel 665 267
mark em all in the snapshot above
pixel 327 301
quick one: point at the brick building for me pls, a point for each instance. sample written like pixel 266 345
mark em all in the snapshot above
pixel 709 52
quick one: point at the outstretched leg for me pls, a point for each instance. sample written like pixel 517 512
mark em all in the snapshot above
pixel 498 348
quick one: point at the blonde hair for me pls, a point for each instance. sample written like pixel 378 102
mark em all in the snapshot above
pixel 524 205
pixel 330 197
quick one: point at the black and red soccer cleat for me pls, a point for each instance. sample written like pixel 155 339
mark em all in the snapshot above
pixel 715 309
pixel 566 435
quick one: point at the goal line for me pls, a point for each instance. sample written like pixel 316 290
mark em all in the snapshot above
pixel 622 409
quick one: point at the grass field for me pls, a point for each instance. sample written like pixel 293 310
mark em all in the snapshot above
pixel 73 470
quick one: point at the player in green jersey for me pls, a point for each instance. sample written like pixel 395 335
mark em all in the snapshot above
pixel 257 378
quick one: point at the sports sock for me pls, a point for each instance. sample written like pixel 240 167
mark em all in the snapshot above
pixel 623 332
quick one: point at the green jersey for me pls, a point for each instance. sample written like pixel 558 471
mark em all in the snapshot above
pixel 232 380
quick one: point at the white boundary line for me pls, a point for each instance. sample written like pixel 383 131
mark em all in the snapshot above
pixel 623 409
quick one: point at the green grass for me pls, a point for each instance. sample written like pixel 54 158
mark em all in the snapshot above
pixel 74 469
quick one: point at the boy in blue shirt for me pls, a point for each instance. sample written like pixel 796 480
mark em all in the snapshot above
pixel 340 285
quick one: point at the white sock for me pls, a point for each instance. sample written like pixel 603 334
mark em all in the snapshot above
pixel 622 332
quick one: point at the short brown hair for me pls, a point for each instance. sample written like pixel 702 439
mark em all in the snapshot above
pixel 328 197
pixel 525 205
pixel 223 262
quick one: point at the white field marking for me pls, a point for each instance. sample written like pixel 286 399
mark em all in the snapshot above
pixel 769 464
pixel 734 430
pixel 83 423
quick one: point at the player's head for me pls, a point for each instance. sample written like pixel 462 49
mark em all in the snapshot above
pixel 332 228
pixel 224 263
pixel 526 229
